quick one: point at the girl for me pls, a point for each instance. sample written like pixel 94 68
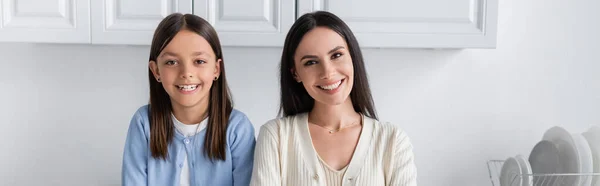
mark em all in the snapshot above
pixel 329 134
pixel 189 134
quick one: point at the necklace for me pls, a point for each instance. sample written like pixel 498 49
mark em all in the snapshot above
pixel 331 131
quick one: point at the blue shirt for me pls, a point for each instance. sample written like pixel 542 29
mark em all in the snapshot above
pixel 140 168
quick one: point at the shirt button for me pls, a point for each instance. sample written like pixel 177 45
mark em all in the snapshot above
pixel 316 176
pixel 350 179
pixel 186 141
pixel 180 165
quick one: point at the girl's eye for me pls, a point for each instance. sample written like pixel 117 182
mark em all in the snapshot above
pixel 170 62
pixel 200 61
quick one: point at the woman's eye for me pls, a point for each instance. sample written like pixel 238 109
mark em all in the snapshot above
pixel 336 55
pixel 311 62
pixel 200 61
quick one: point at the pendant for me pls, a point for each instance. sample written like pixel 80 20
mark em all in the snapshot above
pixel 330 131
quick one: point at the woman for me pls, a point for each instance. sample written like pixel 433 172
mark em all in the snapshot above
pixel 329 133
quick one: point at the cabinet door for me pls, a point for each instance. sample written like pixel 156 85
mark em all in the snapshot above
pixel 248 22
pixel 415 24
pixel 131 22
pixel 45 21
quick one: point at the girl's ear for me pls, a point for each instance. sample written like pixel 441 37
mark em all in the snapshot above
pixel 218 69
pixel 296 77
pixel 154 68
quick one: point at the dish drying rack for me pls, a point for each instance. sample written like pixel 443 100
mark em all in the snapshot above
pixel 495 169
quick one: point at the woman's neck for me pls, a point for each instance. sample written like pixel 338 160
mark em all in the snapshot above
pixel 334 116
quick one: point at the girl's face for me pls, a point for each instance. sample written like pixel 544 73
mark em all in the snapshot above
pixel 187 68
pixel 322 63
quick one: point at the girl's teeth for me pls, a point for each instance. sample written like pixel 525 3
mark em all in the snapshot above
pixel 187 87
pixel 332 86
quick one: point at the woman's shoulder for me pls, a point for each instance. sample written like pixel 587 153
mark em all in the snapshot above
pixel 286 121
pixel 390 127
pixel 391 131
pixel 283 123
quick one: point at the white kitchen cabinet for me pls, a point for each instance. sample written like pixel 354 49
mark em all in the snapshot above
pixel 253 23
pixel 248 22
pixel 415 24
pixel 131 21
pixel 45 21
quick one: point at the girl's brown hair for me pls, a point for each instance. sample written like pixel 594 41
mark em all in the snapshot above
pixel 220 103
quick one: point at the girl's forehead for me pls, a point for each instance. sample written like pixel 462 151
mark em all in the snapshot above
pixel 187 43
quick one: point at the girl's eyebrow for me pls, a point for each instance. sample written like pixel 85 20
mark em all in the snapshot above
pixel 169 54
pixel 199 53
pixel 175 55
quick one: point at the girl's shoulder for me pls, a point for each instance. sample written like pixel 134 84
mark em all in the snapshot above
pixel 140 121
pixel 239 122
pixel 142 115
pixel 143 110
pixel 237 115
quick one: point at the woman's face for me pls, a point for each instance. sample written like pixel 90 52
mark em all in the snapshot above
pixel 322 63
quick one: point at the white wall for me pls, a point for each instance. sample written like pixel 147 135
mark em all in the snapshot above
pixel 65 109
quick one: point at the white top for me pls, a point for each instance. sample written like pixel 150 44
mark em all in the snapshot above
pixel 284 155
pixel 187 131
pixel 332 177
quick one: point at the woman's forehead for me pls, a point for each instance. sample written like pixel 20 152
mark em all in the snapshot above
pixel 320 41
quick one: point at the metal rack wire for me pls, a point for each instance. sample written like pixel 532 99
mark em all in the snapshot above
pixel 566 179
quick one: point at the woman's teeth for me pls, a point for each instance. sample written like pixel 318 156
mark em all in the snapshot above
pixel 332 86
pixel 187 87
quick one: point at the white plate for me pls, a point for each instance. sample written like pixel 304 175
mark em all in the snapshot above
pixel 525 170
pixel 568 156
pixel 511 173
pixel 593 138
pixel 585 159
pixel 544 159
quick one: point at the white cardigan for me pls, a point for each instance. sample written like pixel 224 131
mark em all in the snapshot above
pixel 285 156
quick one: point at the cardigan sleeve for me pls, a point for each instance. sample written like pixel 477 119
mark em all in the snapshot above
pixel 267 170
pixel 135 155
pixel 242 144
pixel 404 170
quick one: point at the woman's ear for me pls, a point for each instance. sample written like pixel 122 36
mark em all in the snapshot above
pixel 296 77
pixel 154 68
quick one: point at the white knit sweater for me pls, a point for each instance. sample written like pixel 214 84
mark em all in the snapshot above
pixel 285 156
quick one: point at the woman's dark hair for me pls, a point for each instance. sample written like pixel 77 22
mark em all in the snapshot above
pixel 220 104
pixel 294 98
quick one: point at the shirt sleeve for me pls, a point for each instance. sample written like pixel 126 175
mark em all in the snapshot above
pixel 404 171
pixel 135 155
pixel 266 159
pixel 242 151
